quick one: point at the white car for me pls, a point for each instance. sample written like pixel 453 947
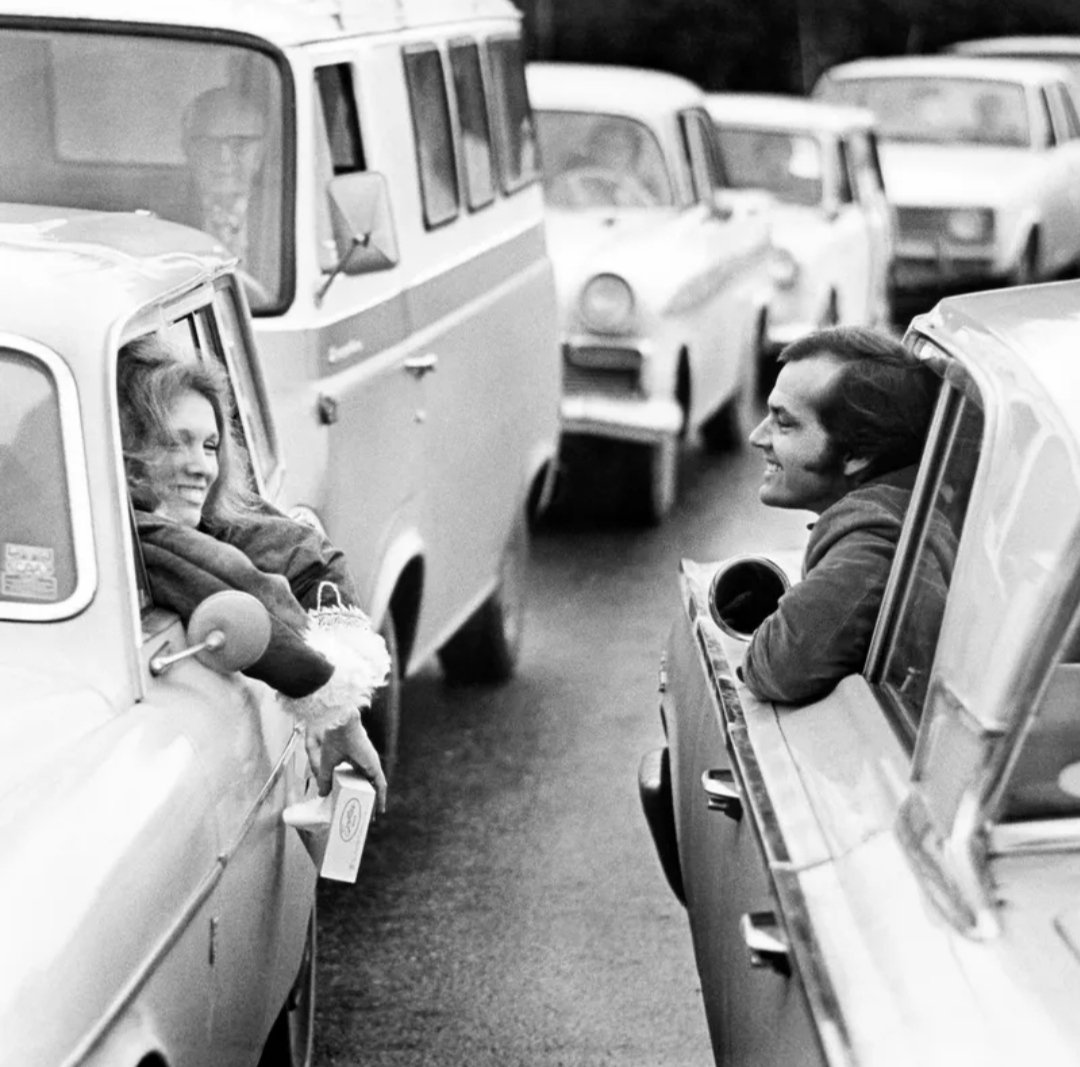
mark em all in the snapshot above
pixel 981 160
pixel 833 226
pixel 661 271
pixel 1064 50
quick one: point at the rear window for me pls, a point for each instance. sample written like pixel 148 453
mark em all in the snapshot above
pixel 37 545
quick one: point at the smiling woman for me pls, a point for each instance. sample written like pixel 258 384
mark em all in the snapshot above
pixel 201 530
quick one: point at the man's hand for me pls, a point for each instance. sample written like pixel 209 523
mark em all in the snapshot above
pixel 348 743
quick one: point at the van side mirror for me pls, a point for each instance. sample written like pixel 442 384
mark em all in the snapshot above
pixel 362 224
pixel 744 592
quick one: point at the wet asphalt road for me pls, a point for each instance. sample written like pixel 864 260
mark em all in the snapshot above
pixel 510 910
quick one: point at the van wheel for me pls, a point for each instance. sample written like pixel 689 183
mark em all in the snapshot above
pixel 291 1039
pixel 487 647
pixel 383 719
pixel 651 484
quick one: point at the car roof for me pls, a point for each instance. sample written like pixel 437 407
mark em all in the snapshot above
pixel 633 91
pixel 1026 71
pixel 1018 45
pixel 1037 326
pixel 283 22
pixel 68 275
pixel 785 112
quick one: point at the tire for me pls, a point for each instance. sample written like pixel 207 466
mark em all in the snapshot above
pixel 383 719
pixel 290 1042
pixel 486 649
pixel 651 481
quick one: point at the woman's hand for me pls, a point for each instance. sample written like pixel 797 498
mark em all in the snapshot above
pixel 347 743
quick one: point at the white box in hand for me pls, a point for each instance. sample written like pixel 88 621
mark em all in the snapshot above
pixel 353 801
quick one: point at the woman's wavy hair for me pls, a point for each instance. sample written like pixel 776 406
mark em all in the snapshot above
pixel 150 378
pixel 880 405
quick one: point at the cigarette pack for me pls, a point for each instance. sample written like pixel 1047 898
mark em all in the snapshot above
pixel 334 828
pixel 352 804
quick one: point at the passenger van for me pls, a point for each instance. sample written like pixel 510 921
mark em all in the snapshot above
pixel 372 164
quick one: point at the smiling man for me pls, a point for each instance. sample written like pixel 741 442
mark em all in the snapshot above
pixel 847 421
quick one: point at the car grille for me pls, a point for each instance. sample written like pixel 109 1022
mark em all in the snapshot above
pixel 920 223
pixel 595 369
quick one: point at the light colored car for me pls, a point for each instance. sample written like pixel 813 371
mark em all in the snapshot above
pixel 1063 50
pixel 373 165
pixel 890 874
pixel 833 226
pixel 981 160
pixel 154 908
pixel 661 270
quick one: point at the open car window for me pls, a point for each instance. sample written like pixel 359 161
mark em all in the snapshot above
pixel 901 657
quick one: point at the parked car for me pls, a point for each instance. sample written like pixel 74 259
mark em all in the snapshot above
pixel 373 166
pixel 981 160
pixel 889 874
pixel 661 270
pixel 154 908
pixel 1063 50
pixel 833 228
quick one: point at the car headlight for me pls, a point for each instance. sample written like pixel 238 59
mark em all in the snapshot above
pixel 970 225
pixel 783 268
pixel 607 304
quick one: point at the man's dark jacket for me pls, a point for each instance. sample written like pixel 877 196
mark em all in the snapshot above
pixel 821 630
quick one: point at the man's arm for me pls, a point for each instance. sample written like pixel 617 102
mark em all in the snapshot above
pixel 821 630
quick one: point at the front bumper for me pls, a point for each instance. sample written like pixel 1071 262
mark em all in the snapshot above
pixel 642 420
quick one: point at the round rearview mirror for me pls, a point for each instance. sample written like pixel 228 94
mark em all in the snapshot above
pixel 232 627
pixel 744 592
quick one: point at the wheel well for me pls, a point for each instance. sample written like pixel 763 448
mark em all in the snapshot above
pixel 153 1060
pixel 405 607
pixel 683 389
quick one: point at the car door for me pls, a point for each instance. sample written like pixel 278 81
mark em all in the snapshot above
pixel 721 243
pixel 257 915
pixel 876 222
pixel 852 235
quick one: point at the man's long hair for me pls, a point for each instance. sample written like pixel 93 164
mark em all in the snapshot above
pixel 880 404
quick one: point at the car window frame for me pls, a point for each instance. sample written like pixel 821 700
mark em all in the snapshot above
pixel 957 389
pixel 700 156
pixel 78 486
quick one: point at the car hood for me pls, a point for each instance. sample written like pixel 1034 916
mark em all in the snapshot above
pixel 922 175
pixel 583 243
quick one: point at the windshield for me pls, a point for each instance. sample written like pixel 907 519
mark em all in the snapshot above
pixel 601 161
pixel 939 110
pixel 191 131
pixel 37 555
pixel 786 164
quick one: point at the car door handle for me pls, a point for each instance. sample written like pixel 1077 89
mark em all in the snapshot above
pixel 723 793
pixel 766 940
pixel 418 366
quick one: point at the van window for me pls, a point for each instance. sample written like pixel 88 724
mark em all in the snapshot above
pixel 515 128
pixel 194 131
pixel 335 86
pixel 473 121
pixel 431 131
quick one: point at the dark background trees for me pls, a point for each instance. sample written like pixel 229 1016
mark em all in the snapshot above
pixel 771 45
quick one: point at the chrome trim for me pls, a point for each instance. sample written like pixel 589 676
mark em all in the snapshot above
pixel 82 529
pixel 187 913
pixel 1033 838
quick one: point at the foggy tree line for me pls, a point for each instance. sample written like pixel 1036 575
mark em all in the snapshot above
pixel 771 45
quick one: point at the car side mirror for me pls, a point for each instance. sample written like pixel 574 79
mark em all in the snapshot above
pixel 744 592
pixel 363 226
pixel 227 632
